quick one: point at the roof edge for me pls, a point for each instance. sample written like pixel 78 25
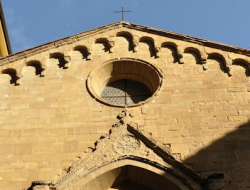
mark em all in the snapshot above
pixel 192 39
pixel 162 32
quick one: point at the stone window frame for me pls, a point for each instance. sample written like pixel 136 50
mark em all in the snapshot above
pixel 125 68
pixel 127 91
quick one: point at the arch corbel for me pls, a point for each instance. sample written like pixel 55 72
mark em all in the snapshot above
pixel 19 78
pixel 89 47
pixel 204 57
pixel 43 66
pixel 157 48
pixel 44 69
pixel 180 53
pixel 89 53
pixel 229 66
pixel 135 42
pixel 228 62
pixel 111 43
pixel 68 61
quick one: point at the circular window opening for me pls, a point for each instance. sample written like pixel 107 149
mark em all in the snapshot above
pixel 124 83
pixel 126 92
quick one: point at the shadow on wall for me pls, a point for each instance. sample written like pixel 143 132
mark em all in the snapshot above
pixel 229 155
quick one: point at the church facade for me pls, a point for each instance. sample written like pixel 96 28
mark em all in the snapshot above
pixel 125 106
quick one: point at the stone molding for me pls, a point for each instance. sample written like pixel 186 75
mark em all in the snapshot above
pixel 126 141
pixel 181 43
pixel 114 70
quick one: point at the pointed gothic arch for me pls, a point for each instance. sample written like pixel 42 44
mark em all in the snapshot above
pixel 133 171
pixel 127 156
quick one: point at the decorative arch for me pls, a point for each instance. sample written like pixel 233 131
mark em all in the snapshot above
pixel 150 42
pixel 122 33
pixel 105 43
pixel 223 61
pixel 173 47
pixel 15 78
pixel 84 50
pixel 169 44
pixel 202 55
pixel 38 67
pixel 63 63
pixel 243 63
pixel 129 37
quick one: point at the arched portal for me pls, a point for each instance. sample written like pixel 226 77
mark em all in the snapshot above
pixel 127 159
pixel 131 175
pixel 132 178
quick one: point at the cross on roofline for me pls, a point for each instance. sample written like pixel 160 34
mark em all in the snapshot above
pixel 122 11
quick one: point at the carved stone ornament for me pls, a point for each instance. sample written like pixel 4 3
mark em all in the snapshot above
pixel 127 142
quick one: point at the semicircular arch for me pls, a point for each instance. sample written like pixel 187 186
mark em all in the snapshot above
pixel 244 64
pixel 221 60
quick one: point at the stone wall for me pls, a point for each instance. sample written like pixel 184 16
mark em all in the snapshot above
pixel 48 119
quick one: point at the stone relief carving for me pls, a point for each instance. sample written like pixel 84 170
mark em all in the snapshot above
pixel 127 144
pixel 126 140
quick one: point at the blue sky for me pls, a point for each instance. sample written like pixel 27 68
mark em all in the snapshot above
pixel 34 22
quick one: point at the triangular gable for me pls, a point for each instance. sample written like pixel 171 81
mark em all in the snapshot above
pixel 126 144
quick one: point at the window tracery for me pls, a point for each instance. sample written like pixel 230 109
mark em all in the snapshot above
pixel 125 91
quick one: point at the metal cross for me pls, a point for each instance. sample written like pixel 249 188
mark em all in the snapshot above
pixel 122 13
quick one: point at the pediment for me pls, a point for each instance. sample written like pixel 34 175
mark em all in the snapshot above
pixel 127 145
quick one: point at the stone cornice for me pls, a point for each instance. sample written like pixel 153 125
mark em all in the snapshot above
pixel 174 35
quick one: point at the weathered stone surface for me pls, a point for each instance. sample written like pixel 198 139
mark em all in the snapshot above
pixel 48 118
